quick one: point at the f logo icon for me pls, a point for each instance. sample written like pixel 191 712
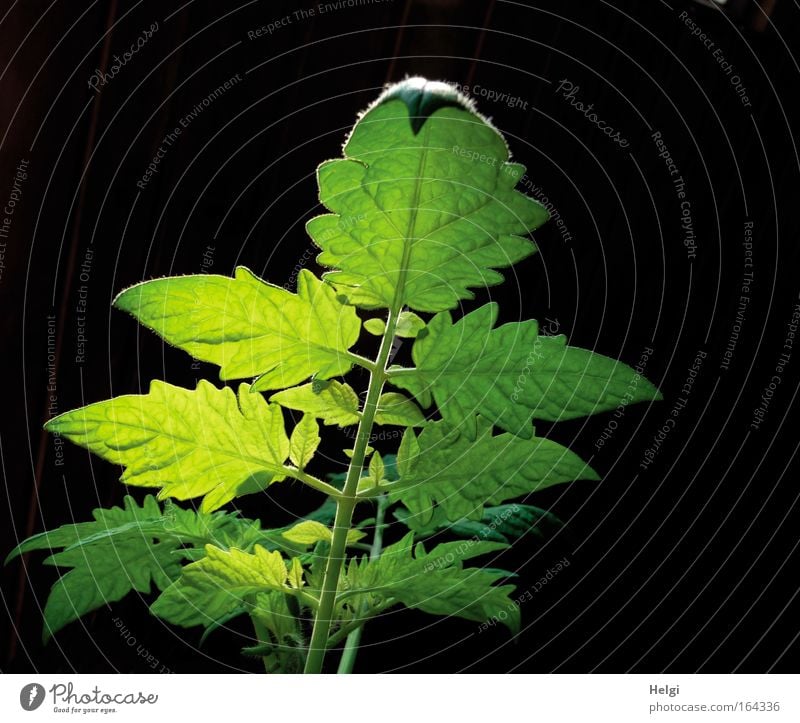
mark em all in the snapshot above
pixel 31 696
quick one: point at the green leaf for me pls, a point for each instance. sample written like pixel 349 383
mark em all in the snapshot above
pixel 123 549
pixel 220 584
pixel 296 574
pixel 434 582
pixel 501 523
pixel 249 327
pixel 421 213
pixel 460 475
pixel 408 325
pixel 376 327
pixel 304 441
pixel 332 402
pixel 188 443
pixel 309 532
pixel 367 452
pixel 397 409
pixel 376 469
pixel 512 374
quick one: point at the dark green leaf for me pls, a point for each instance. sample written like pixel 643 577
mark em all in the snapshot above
pixel 512 374
pixel 445 467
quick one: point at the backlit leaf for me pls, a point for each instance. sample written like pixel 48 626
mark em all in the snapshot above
pixel 309 532
pixel 219 584
pixel 304 441
pixel 397 409
pixel 409 325
pixel 332 402
pixel 376 327
pixel 423 203
pixel 249 327
pixel 187 442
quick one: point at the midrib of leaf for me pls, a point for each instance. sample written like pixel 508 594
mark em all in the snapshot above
pixel 408 242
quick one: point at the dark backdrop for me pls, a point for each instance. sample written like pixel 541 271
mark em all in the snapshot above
pixel 688 563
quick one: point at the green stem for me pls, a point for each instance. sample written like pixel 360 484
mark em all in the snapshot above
pixel 354 638
pixel 347 500
pixel 345 504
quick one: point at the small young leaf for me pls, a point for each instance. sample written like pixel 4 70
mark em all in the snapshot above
pixel 397 409
pixel 304 441
pixel 249 327
pixel 189 443
pixel 376 469
pixel 409 325
pixel 310 532
pixel 461 475
pixel 335 403
pixel 513 374
pixel 367 452
pixel 407 454
pixel 296 573
pixel 376 327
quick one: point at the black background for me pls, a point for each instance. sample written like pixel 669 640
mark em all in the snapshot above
pixel 689 565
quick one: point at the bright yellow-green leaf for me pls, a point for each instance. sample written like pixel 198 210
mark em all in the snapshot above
pixel 187 442
pixel 304 441
pixel 376 327
pixel 333 402
pixel 249 327
pixel 367 452
pixel 377 469
pixel 219 584
pixel 309 532
pixel 408 325
pixel 398 409
pixel 423 203
pixel 296 573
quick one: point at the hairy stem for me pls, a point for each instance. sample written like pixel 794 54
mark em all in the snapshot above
pixel 354 638
pixel 262 636
pixel 345 504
